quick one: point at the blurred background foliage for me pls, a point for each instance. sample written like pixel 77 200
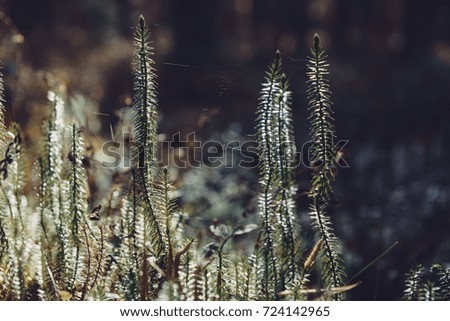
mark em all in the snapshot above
pixel 390 64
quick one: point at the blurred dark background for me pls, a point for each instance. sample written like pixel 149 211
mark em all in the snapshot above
pixel 390 78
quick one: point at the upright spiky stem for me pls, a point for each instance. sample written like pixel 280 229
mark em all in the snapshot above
pixel 77 202
pixel 322 128
pixel 277 201
pixel 322 132
pixel 53 187
pixel 269 267
pixel 53 162
pixel 145 102
pixel 145 124
pixel 144 149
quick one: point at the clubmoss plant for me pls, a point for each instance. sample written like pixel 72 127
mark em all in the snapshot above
pixel 78 226
pixel 268 265
pixel 144 158
pixel 277 260
pixel 67 244
pixel 323 161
